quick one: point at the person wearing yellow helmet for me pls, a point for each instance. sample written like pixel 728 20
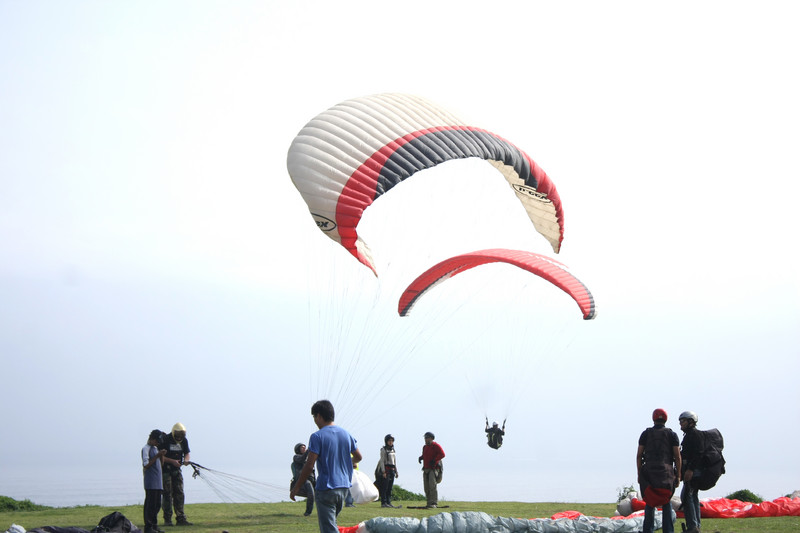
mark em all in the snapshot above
pixel 177 446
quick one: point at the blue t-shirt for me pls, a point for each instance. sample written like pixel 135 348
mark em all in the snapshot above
pixel 333 445
pixel 152 475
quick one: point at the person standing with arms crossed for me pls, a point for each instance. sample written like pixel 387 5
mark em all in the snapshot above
pixel 153 484
pixel 330 449
pixel 432 455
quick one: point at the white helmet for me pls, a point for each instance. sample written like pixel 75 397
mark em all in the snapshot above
pixel 691 415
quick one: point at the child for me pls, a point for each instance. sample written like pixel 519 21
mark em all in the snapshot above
pixel 153 484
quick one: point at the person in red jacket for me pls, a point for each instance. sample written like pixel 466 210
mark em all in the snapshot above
pixel 431 459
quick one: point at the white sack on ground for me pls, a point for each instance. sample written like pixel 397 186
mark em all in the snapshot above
pixel 363 489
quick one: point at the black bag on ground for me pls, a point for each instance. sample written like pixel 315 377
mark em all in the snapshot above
pixel 712 463
pixel 115 523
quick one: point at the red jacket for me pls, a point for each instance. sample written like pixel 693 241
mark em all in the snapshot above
pixel 431 455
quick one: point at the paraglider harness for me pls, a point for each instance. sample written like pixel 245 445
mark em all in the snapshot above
pixel 659 477
pixel 495 435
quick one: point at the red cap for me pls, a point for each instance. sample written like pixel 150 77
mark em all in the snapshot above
pixel 659 414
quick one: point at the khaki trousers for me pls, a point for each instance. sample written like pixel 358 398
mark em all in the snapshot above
pixel 429 482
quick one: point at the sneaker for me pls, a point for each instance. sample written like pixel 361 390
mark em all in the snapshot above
pixel 432 506
pixel 385 505
pixel 307 513
pixel 184 522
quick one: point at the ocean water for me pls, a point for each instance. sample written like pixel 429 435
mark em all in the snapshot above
pixel 67 486
pixel 109 487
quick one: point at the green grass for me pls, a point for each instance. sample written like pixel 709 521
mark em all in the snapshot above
pixel 10 504
pixel 287 517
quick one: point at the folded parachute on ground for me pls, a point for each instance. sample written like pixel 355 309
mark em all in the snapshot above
pixel 351 154
pixel 542 266
pixel 478 522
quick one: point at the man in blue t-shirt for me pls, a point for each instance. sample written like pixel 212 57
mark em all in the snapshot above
pixel 334 452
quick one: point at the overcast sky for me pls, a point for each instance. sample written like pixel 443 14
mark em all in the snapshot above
pixel 157 264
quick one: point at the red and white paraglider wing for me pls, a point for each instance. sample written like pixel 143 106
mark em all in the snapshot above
pixel 351 154
pixel 542 266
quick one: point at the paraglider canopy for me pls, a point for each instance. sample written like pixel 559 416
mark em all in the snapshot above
pixel 542 266
pixel 358 150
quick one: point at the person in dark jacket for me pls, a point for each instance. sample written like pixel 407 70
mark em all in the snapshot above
pixel 691 451
pixel 298 462
pixel 494 434
pixel 658 460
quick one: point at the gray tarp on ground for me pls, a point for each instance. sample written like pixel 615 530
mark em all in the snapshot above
pixel 477 522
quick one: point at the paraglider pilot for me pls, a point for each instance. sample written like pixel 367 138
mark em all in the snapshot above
pixel 177 446
pixel 495 434
pixel 307 489
pixel 431 459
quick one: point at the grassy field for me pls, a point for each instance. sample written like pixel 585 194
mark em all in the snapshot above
pixel 288 517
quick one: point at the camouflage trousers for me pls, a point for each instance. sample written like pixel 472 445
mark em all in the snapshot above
pixel 173 495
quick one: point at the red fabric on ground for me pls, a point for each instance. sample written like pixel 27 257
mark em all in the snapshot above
pixel 724 508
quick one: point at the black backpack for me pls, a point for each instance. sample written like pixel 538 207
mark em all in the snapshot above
pixel 712 463
pixel 115 523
